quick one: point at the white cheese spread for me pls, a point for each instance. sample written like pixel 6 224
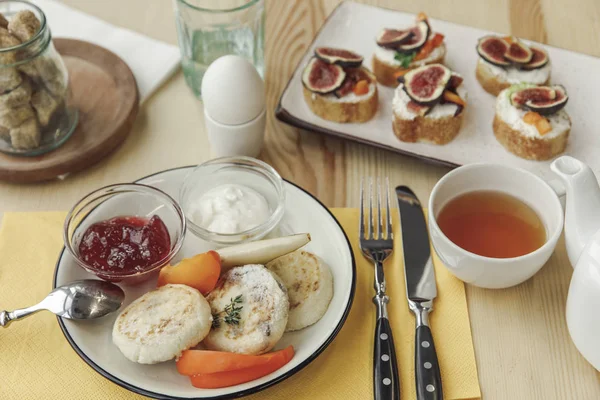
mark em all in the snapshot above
pixel 230 209
pixel 514 75
pixel 401 99
pixel 513 116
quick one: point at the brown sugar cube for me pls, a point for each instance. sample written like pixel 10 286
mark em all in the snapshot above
pixel 13 117
pixel 53 77
pixel 10 78
pixel 44 105
pixel 7 40
pixel 26 136
pixel 30 70
pixel 3 21
pixel 45 70
pixel 16 97
pixel 4 133
pixel 24 25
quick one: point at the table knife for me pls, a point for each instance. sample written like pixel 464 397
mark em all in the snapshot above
pixel 420 290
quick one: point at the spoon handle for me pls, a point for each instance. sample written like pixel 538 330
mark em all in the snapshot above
pixel 6 317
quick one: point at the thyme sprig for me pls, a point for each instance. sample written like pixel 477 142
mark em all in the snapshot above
pixel 231 311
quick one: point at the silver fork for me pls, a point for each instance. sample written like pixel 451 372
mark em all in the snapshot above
pixel 377 246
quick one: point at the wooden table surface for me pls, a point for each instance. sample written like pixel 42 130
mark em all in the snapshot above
pixel 521 340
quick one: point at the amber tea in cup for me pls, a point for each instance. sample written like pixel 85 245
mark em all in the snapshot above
pixel 492 224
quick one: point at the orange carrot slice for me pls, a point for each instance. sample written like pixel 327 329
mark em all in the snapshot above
pixel 453 98
pixel 200 272
pixel 431 44
pixel 361 87
pixel 236 377
pixel 531 117
pixel 193 362
pixel 543 126
pixel 400 73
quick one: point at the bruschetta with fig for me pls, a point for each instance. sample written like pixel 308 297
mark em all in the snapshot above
pixel 400 50
pixel 531 122
pixel 429 105
pixel 337 87
pixel 505 61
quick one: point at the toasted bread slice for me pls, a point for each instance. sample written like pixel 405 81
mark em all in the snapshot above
pixel 263 315
pixel 493 80
pixel 530 148
pixel 350 108
pixel 309 285
pixel 161 324
pixel 427 130
pixel 523 139
pixel 385 70
pixel 439 126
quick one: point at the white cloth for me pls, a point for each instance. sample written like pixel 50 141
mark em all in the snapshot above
pixel 151 61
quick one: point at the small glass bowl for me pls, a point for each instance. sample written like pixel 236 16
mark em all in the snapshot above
pixel 246 171
pixel 129 199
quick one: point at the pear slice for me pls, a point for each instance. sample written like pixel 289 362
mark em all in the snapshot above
pixel 261 251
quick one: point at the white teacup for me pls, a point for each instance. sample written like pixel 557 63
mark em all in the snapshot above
pixel 495 273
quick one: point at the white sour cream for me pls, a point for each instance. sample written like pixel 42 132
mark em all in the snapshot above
pixel 514 75
pixel 513 116
pixel 230 209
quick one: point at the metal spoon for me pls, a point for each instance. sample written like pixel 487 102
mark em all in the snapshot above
pixel 85 299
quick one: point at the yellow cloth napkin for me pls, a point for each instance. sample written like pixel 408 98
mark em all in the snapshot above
pixel 36 361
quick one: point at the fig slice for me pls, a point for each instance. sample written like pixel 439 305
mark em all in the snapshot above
pixel 341 57
pixel 321 77
pixel 455 81
pixel 544 100
pixel 518 52
pixel 417 108
pixel 539 59
pixel 425 85
pixel 417 40
pixel 492 49
pixel 391 38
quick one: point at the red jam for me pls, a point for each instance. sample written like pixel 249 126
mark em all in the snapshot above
pixel 125 245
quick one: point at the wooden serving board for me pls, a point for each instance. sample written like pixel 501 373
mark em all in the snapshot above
pixel 105 93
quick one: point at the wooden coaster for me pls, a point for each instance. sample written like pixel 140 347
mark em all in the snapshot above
pixel 105 92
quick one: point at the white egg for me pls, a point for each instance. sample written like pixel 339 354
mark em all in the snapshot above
pixel 232 91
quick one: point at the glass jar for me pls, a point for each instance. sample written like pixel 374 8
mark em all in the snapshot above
pixel 36 111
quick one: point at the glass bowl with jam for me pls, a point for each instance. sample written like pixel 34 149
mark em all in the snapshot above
pixel 125 232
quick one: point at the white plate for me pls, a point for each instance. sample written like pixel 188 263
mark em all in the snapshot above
pixel 354 26
pixel 303 213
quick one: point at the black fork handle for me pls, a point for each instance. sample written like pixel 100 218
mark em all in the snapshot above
pixel 386 384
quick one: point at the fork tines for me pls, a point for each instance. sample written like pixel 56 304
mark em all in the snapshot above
pixel 371 234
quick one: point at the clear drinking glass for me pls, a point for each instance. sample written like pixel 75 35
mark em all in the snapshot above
pixel 209 29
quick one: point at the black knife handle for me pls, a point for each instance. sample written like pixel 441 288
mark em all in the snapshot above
pixel 386 384
pixel 427 368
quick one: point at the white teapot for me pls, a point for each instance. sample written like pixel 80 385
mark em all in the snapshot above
pixel 582 237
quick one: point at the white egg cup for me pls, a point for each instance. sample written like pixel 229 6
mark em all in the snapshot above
pixel 236 140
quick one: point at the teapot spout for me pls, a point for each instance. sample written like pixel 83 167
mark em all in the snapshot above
pixel 582 218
